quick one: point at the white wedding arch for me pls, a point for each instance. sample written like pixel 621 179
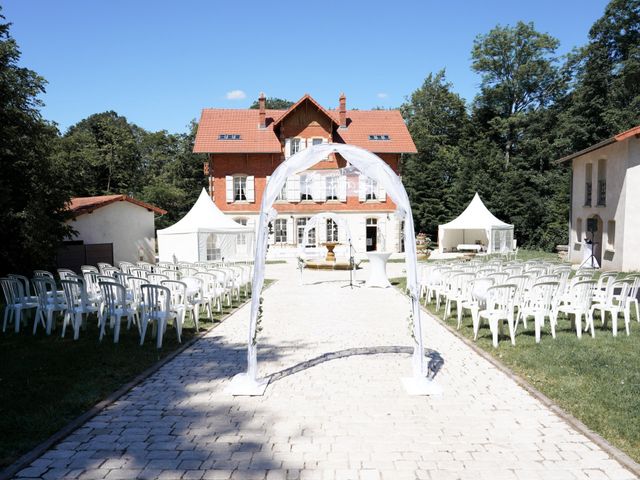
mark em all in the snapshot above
pixel 370 165
pixel 315 221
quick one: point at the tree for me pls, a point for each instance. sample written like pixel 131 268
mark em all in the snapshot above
pixel 606 95
pixel 519 74
pixel 33 192
pixel 273 103
pixel 103 152
pixel 436 118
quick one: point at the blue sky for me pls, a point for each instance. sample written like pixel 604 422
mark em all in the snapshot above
pixel 160 62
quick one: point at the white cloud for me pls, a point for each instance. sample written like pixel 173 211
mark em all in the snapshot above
pixel 236 95
pixel 382 95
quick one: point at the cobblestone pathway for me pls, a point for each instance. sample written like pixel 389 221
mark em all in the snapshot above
pixel 335 410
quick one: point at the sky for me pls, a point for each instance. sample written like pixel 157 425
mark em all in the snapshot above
pixel 160 62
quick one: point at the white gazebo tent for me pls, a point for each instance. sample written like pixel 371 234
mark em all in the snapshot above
pixel 361 162
pixel 204 234
pixel 476 225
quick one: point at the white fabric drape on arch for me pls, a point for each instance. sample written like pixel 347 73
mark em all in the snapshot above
pixel 373 167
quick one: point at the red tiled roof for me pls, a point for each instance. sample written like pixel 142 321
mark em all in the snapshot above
pixel 360 124
pixel 295 105
pixel 246 123
pixel 82 205
pixel 632 132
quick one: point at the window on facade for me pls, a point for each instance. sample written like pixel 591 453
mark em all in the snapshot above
pixel 332 187
pixel 379 137
pixel 229 136
pixel 213 253
pixel 283 193
pixel 305 187
pixel 372 222
pixel 578 230
pixel 332 231
pixel 311 236
pixel 371 188
pixel 316 141
pixel 281 230
pixel 241 238
pixel 588 182
pixel 611 234
pixel 295 145
pixel 602 182
pixel 239 188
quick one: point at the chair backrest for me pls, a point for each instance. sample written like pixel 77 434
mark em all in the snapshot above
pixel 26 285
pixel 617 290
pixel 102 265
pixel 188 271
pixel 109 271
pixel 194 286
pixel 47 293
pixel 501 297
pixel 12 289
pixel 209 282
pixel 156 278
pixel 72 289
pixel 114 295
pixel 543 295
pixel 178 291
pixel 122 278
pixel 499 277
pixel 65 273
pixel 145 266
pixel 155 300
pixel 480 287
pixel 134 283
pixel 88 268
pixel 581 294
pixel 172 274
pixel 91 281
pixel 43 273
pixel 635 284
pixel 139 272
pixel 126 266
pixel 605 279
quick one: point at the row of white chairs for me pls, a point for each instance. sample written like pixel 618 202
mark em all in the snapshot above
pixel 512 292
pixel 112 295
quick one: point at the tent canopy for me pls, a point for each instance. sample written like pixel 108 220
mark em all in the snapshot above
pixel 204 234
pixel 476 224
pixel 205 217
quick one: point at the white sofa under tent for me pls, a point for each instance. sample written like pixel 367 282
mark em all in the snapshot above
pixel 476 226
pixel 205 234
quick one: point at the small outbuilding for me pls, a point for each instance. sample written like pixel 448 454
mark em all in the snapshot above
pixel 110 228
pixel 205 234
pixel 476 229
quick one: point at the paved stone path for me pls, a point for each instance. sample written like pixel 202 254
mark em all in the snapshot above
pixel 339 416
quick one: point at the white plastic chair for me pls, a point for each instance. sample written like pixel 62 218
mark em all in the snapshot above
pixel 156 278
pixel 156 308
pixel 577 302
pixel 49 301
pixel 499 308
pixel 601 290
pixel 116 306
pixel 632 297
pixel 614 303
pixel 194 299
pixel 78 304
pixel 15 301
pixel 211 291
pixel 457 292
pixel 540 304
pixel 178 305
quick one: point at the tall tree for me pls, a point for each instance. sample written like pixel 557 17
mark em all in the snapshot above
pixel 33 192
pixel 273 103
pixel 519 74
pixel 436 118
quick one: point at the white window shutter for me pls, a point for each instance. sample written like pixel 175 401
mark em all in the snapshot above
pixel 293 188
pixel 362 188
pixel 342 188
pixel 290 231
pixel 319 188
pixel 325 140
pixel 251 189
pixel 382 193
pixel 229 185
pixel 303 143
pixel 287 148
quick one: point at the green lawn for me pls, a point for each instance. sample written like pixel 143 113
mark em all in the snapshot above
pixel 597 380
pixel 45 382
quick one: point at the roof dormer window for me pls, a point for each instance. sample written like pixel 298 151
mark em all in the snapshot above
pixel 379 137
pixel 229 136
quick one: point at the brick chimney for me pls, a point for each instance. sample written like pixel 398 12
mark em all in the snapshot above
pixel 343 111
pixel 263 114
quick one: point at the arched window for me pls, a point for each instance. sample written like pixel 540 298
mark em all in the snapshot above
pixel 332 230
